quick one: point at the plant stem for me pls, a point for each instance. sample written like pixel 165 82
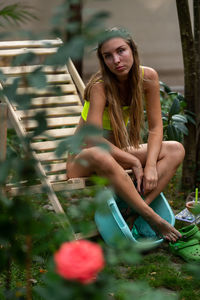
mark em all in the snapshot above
pixel 8 275
pixel 28 267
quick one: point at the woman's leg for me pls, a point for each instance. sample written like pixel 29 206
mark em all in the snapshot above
pixel 101 162
pixel 170 157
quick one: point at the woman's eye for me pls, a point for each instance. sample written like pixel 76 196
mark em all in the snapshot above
pixel 120 51
pixel 107 56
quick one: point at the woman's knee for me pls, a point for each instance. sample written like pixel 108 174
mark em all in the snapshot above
pixel 175 151
pixel 98 158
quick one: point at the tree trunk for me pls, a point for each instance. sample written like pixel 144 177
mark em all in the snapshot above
pixel 75 18
pixel 196 8
pixel 188 50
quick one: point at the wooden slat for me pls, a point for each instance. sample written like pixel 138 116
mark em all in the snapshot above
pixel 55 100
pixel 20 70
pixel 58 177
pixel 56 167
pixel 37 51
pixel 65 100
pixel 30 43
pixel 56 133
pixel 45 145
pixel 71 184
pixel 51 79
pixel 65 89
pixel 51 112
pixel 50 156
pixel 52 122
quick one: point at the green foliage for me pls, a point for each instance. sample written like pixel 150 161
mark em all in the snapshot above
pixel 174 115
pixel 16 13
pixel 37 79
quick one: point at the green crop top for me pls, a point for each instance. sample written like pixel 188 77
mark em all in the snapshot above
pixel 106 118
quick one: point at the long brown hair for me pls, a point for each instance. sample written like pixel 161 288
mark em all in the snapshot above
pixel 123 138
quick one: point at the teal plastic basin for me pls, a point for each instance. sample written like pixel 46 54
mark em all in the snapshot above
pixel 112 226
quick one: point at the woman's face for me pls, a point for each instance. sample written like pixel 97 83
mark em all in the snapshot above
pixel 118 57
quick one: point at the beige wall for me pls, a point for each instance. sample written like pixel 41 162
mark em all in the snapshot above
pixel 152 23
pixel 154 27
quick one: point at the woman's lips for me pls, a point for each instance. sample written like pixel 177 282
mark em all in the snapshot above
pixel 120 68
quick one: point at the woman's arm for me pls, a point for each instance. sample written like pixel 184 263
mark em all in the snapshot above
pixel 97 104
pixel 153 109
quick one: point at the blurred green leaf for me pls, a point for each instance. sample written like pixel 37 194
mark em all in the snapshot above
pixel 59 58
pixel 181 127
pixel 76 48
pixel 94 27
pixel 180 97
pixel 11 90
pixel 16 13
pixel 164 87
pixel 191 119
pixel 190 113
pixel 164 118
pixel 3 77
pixel 190 116
pixel 175 108
pixel 42 123
pixel 179 118
pixel 24 59
pixel 37 79
pixel 99 180
pixel 172 133
pixel 75 143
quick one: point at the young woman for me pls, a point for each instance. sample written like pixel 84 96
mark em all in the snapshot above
pixel 114 96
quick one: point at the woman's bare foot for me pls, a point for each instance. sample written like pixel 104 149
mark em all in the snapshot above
pixel 166 230
pixel 161 227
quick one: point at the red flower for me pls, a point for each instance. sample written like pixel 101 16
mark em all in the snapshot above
pixel 79 260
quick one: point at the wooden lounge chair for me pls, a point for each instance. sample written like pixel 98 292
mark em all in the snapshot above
pixel 62 113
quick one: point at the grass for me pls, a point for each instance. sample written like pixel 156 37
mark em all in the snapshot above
pixel 159 269
pixel 162 270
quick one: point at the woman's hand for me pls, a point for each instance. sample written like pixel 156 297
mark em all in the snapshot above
pixel 138 172
pixel 150 179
